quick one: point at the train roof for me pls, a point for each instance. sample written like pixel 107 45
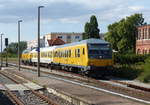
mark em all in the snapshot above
pixel 87 41
pixel 26 51
pixel 44 49
pixel 48 48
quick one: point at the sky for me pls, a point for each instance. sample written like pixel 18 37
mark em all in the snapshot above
pixel 64 15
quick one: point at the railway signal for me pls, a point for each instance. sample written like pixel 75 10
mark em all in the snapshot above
pixel 6 44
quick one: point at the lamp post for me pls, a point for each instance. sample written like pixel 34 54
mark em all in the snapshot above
pixel 1 50
pixel 38 65
pixel 19 44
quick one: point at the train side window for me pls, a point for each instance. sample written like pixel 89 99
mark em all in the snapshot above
pixel 46 54
pixel 49 54
pixel 69 53
pixel 65 53
pixel 78 52
pixel 61 54
pixel 41 54
pixel 75 52
pixel 57 53
pixel 83 51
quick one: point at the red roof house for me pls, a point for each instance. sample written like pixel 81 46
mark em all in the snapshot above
pixel 55 41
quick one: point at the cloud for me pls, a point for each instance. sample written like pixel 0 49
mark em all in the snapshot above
pixel 136 8
pixel 67 11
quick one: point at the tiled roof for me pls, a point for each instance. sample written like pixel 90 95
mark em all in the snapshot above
pixel 66 33
pixel 55 41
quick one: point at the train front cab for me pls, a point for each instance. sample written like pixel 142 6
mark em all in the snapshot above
pixel 100 59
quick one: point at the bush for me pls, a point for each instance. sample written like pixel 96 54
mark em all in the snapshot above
pixel 145 76
pixel 129 58
pixel 126 71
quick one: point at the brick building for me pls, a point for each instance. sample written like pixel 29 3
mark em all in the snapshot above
pixel 143 40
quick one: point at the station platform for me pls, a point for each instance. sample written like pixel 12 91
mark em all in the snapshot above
pixel 20 87
pixel 137 83
pixel 87 95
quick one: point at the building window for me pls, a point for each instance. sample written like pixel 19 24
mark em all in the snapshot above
pixel 143 34
pixel 60 37
pixel 145 52
pixel 149 33
pixel 139 34
pixel 77 37
pixel 68 37
pixel 138 51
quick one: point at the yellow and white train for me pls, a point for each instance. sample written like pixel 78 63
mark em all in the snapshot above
pixel 86 55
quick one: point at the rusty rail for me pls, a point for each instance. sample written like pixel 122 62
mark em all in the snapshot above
pixel 107 85
pixel 12 96
pixel 45 98
pixel 132 85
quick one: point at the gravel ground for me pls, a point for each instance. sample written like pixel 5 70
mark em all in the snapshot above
pixel 4 100
pixel 5 80
pixel 28 98
pixel 56 99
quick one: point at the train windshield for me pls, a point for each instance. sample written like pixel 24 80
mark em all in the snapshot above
pixel 100 51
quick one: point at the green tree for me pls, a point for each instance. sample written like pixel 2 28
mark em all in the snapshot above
pixel 13 47
pixel 91 29
pixel 123 34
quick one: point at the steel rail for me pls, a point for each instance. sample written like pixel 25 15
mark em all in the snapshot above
pixel 103 84
pixel 45 98
pixel 12 96
pixel 144 89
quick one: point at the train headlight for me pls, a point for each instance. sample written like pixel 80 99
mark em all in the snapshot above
pixel 100 57
pixel 92 64
pixel 109 46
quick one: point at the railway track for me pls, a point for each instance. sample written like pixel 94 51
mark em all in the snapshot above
pixel 132 85
pixel 85 78
pixel 12 97
pixel 128 91
pixel 40 98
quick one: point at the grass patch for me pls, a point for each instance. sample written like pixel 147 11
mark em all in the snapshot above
pixel 12 59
